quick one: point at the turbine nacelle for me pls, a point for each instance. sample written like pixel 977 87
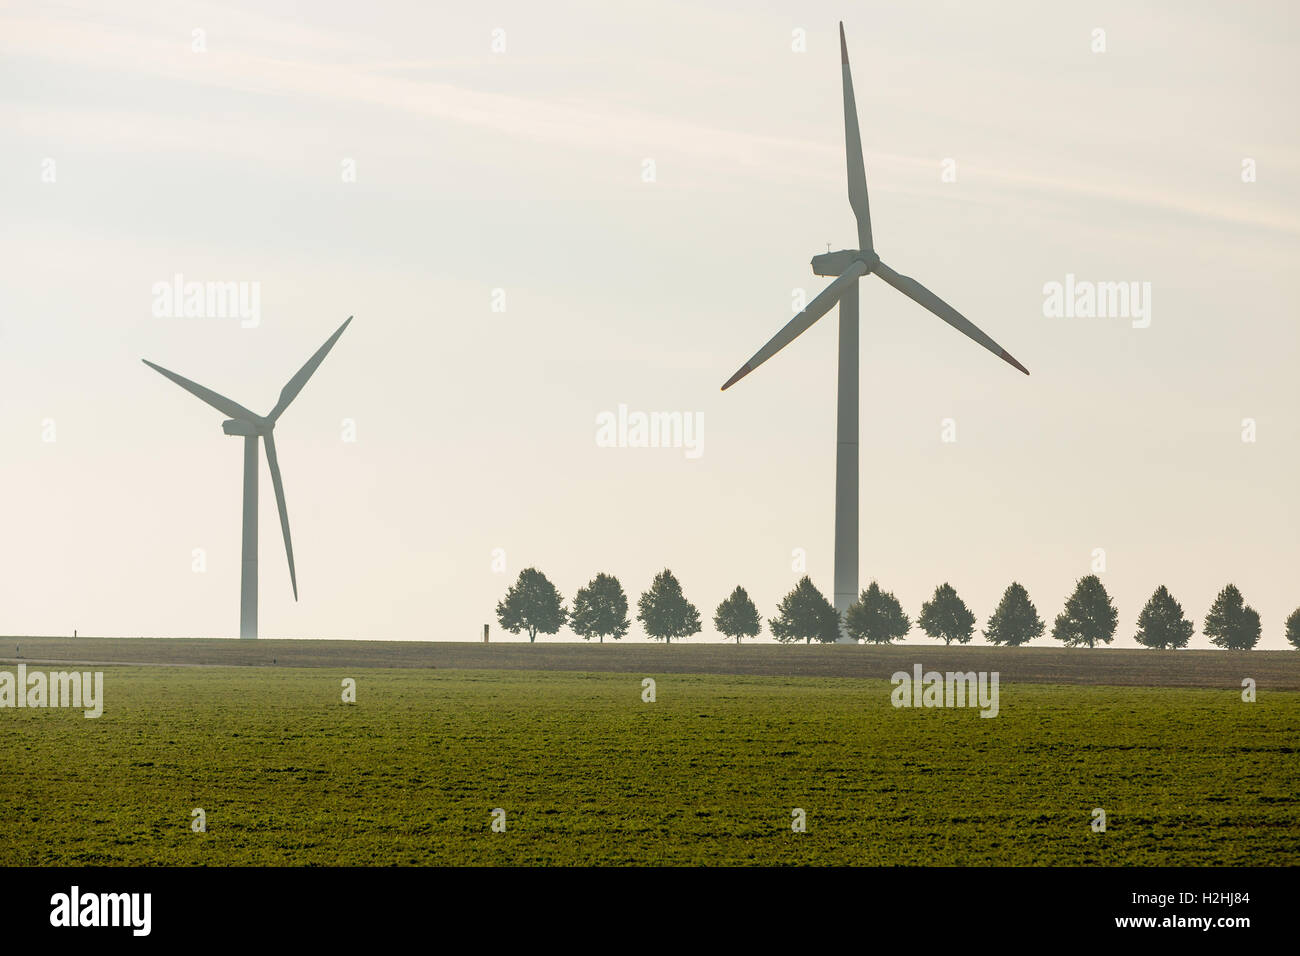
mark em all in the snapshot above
pixel 245 429
pixel 837 263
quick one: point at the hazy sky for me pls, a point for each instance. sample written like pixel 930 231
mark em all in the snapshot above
pixel 523 169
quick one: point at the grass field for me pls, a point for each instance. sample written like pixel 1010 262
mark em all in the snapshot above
pixel 588 773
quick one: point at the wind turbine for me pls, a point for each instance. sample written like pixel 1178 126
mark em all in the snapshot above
pixel 250 427
pixel 848 266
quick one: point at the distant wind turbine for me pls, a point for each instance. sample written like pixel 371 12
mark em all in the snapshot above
pixel 849 265
pixel 250 427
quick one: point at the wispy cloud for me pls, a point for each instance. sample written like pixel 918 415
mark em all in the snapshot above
pixel 323 67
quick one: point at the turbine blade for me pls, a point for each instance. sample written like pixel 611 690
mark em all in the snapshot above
pixel 923 296
pixel 279 503
pixel 219 402
pixel 295 384
pixel 853 149
pixel 819 306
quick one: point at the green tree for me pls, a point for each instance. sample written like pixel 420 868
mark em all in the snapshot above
pixel 737 616
pixel 1089 615
pixel 946 615
pixel 600 609
pixel 1162 623
pixel 876 617
pixel 1230 623
pixel 805 615
pixel 1293 629
pixel 1015 621
pixel 532 605
pixel 664 611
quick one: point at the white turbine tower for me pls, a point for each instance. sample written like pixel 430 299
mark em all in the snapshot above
pixel 849 265
pixel 250 427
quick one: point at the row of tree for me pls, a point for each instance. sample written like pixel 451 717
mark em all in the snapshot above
pixel 600 610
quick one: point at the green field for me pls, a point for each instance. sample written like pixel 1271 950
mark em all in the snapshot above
pixel 588 773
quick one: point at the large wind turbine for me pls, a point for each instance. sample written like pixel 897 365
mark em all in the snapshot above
pixel 250 427
pixel 849 265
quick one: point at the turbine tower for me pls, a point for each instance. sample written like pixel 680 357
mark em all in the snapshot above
pixel 848 266
pixel 250 427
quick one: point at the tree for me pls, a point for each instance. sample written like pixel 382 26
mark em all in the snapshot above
pixel 804 615
pixel 946 615
pixel 532 605
pixel 1016 620
pixel 600 609
pixel 876 617
pixel 1230 623
pixel 664 611
pixel 1293 629
pixel 1162 624
pixel 737 616
pixel 1089 615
